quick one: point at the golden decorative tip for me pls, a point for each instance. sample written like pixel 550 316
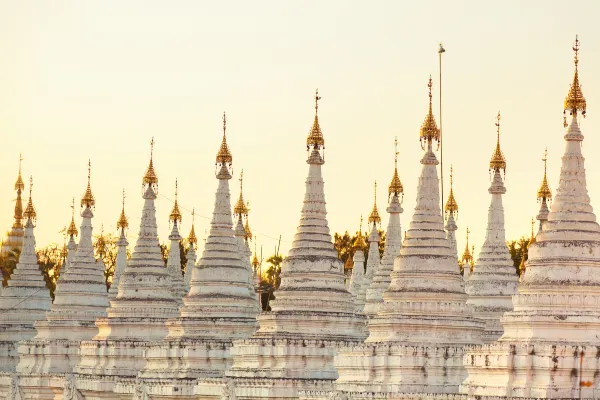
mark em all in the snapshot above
pixel 544 192
pixel 532 238
pixel 498 162
pixel 30 212
pixel 429 130
pixel 575 101
pixel 224 155
pixel 349 264
pixel 255 262
pixel 240 207
pixel 359 243
pixel 192 239
pixel 247 230
pixel 451 204
pixel 466 256
pixel 88 199
pixel 175 215
pixel 72 230
pixel 315 136
pixel 150 177
pixel 374 216
pixel 395 187
pixel 123 222
pixel 19 185
pixel 522 267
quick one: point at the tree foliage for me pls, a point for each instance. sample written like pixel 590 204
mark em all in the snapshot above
pixel 517 249
pixel 344 244
pixel 8 264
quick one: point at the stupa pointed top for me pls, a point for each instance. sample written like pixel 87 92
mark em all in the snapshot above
pixel 498 162
pixel 192 239
pixel 123 222
pixel 429 130
pixel 575 101
pixel 30 213
pixel 467 256
pixel 240 207
pixel 255 262
pixel 532 237
pixel 315 137
pixel 19 185
pixel 374 217
pixel 150 177
pixel 544 192
pixel 451 206
pixel 359 243
pixel 224 154
pixel 175 215
pixel 88 200
pixel 72 230
pixel 396 187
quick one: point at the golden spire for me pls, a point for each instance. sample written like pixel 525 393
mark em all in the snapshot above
pixel 72 230
pixel 396 185
pixel 498 162
pixel 522 267
pixel 123 222
pixel 175 213
pixel 544 192
pixel 359 243
pixel 315 136
pixel 150 177
pixel 29 212
pixel 240 207
pixel 575 101
pixel 429 129
pixel 532 238
pixel 224 155
pixel 88 200
pixel 247 229
pixel 192 239
pixel 451 204
pixel 255 262
pixel 467 257
pixel 19 185
pixel 374 216
pixel 349 264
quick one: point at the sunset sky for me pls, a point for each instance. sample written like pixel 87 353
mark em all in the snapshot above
pixel 96 80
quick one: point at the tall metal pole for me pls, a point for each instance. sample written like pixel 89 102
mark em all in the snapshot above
pixel 440 51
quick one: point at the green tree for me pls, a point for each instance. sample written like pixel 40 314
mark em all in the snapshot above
pixel 517 249
pixel 344 244
pixel 50 261
pixel 8 263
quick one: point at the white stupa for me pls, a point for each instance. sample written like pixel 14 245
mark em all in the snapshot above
pixel 111 360
pixel 494 279
pixel 15 236
pixel 393 243
pixel 191 254
pixel 218 308
pixel 312 314
pixel 550 341
pixel 544 195
pixel 71 246
pixel 451 212
pixel 416 339
pixel 121 261
pixel 358 270
pixel 24 301
pixel 174 259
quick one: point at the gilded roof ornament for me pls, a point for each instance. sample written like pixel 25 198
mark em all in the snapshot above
pixel 255 262
pixel 88 199
pixel 396 187
pixel 498 162
pixel 451 204
pixel 72 230
pixel 544 192
pixel 532 238
pixel 192 239
pixel 224 155
pixel 19 185
pixel 374 216
pixel 574 101
pixel 315 136
pixel 248 230
pixel 30 212
pixel 429 130
pixel 240 207
pixel 466 256
pixel 359 243
pixel 175 215
pixel 150 177
pixel 123 222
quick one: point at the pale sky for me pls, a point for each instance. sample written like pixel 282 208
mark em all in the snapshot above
pixel 96 80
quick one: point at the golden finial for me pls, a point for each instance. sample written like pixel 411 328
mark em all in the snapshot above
pixel 88 200
pixel 30 212
pixel 150 177
pixel 429 130
pixel 240 207
pixel 575 101
pixel 72 230
pixel 19 185
pixel 175 213
pixel 451 204
pixel 123 222
pixel 374 216
pixel 522 267
pixel 498 162
pixel 359 243
pixel 544 192
pixel 396 185
pixel 255 262
pixel 224 155
pixel 467 257
pixel 315 136
pixel 532 238
pixel 192 239
pixel 247 229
